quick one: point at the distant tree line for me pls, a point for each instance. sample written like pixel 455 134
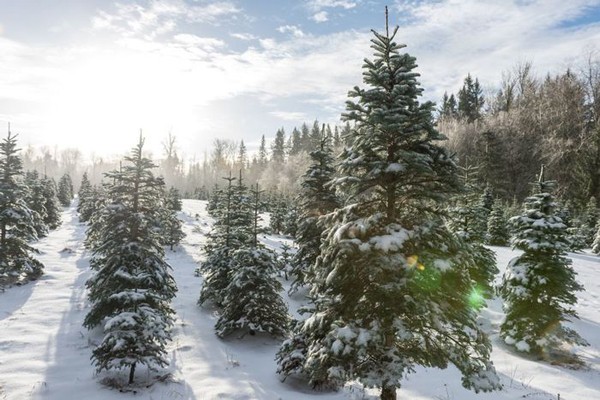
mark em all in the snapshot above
pixel 528 122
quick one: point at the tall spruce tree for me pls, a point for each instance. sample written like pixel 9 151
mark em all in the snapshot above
pixel 262 152
pixel 448 109
pixel 539 286
pixel 132 288
pixel 470 99
pixel 391 289
pixel 17 223
pixel 316 199
pixel 278 147
pixel 295 142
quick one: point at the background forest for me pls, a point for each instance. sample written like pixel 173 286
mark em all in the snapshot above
pixel 502 135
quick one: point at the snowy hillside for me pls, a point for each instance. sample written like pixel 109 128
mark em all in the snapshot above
pixel 45 351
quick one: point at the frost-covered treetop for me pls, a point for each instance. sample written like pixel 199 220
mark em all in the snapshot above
pixel 539 229
pixel 393 157
pixel 10 163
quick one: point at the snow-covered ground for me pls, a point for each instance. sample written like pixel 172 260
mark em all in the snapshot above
pixel 44 350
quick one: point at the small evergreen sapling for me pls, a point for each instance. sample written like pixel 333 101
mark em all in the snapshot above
pixel 279 209
pixel 596 243
pixel 84 198
pixel 539 286
pixel 590 220
pixel 497 229
pixel 171 226
pixel 52 205
pixel 468 219
pixel 252 301
pixel 239 273
pixel 65 190
pixel 222 239
pixel 36 202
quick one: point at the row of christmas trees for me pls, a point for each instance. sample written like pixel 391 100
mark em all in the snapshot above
pixel 29 209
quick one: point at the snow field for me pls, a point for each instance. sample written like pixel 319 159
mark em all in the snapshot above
pixel 44 350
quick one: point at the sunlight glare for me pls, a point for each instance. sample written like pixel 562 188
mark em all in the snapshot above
pixel 106 98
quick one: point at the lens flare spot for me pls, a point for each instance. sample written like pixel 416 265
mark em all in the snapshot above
pixel 413 262
pixel 476 299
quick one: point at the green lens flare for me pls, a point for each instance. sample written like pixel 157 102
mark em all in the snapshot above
pixel 476 299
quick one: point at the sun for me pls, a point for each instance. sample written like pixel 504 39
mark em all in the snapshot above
pixel 106 97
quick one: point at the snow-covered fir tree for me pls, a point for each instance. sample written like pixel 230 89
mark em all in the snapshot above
pixel 214 200
pixel 497 228
pixel 595 244
pixel 252 301
pixel 577 237
pixel 94 213
pixel 468 219
pixel 279 209
pixel 487 199
pixel 85 191
pixel 65 190
pixel 36 202
pixel 316 199
pixel 222 239
pixel 131 291
pixel 52 205
pixel 590 221
pixel 239 273
pixel 576 232
pixel 392 285
pixel 17 222
pixel 290 221
pixel 539 286
pixel 468 216
pixel 284 260
pixel 170 224
pixel 173 199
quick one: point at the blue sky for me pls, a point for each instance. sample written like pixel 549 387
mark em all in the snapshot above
pixel 90 74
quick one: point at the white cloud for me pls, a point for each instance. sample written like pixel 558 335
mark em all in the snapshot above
pixel 243 36
pixel 293 29
pixel 208 44
pixel 453 37
pixel 160 16
pixel 320 16
pixel 317 5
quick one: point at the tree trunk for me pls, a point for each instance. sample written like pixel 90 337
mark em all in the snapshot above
pixel 388 393
pixel 131 373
